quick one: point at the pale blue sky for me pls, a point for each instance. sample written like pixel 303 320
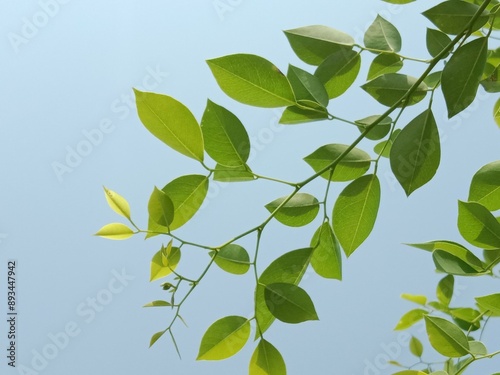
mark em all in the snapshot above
pixel 72 73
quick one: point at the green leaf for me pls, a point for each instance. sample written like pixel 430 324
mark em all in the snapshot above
pixel 157 303
pixel 326 259
pixel 433 80
pixel 381 35
pixel 161 210
pixel 496 112
pixel 399 1
pixel 289 303
pixel 418 299
pixel 452 264
pixel 490 302
pixel 444 290
pixel 164 262
pixel 300 210
pixel 224 338
pixel 451 17
pixel 389 89
pixel 384 148
pixel 485 186
pixel 339 71
pixel 410 372
pixel 416 347
pixel 171 122
pixel 478 226
pixel 416 152
pixel 252 80
pixel 307 86
pixel 379 131
pixel 383 64
pixel 477 348
pixel 225 137
pixel 491 257
pixel 313 44
pixel 466 318
pixel 446 338
pixel 156 337
pixel 355 212
pixel 410 318
pixel 236 174
pixel 187 194
pixel 462 73
pixel 288 268
pixel 299 114
pixel 436 41
pixel 266 360
pixel 453 248
pixel 117 203
pixel 352 166
pixel 233 258
pixel 115 231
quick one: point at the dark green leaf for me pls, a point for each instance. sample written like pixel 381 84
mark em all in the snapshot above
pixel 416 152
pixel 307 86
pixel 381 35
pixel 436 42
pixel 313 44
pixel 451 17
pixel 446 338
pixel 171 122
pixel 233 258
pixel 289 303
pixel 444 290
pixel 161 210
pixel 252 80
pixel 433 80
pixel 225 137
pixel 288 268
pixel 352 166
pixel 379 131
pixel 299 114
pixel 384 148
pixel 461 75
pixel 389 89
pixel 224 338
pixel 266 360
pixel 355 212
pixel 478 226
pixel 326 259
pixel 339 71
pixel 485 186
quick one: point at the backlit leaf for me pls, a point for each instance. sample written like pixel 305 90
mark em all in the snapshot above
pixel 339 71
pixel 289 303
pixel 224 338
pixel 233 174
pixel 462 73
pixel 379 131
pixel 352 166
pixel 355 212
pixel 451 17
pixel 161 210
pixel 115 231
pixel 299 114
pixel 383 64
pixel 300 210
pixel 383 36
pixel 446 338
pixel 252 80
pixel 233 258
pixel 313 44
pixel 490 302
pixel 478 226
pixel 225 137
pixel 164 262
pixel 410 318
pixel 117 203
pixel 266 360
pixel 485 186
pixel 307 86
pixel 444 290
pixel 389 89
pixel 416 347
pixel 436 41
pixel 326 259
pixel 171 122
pixel 416 152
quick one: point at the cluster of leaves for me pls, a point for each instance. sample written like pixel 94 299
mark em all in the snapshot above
pixel 460 62
pixel 454 337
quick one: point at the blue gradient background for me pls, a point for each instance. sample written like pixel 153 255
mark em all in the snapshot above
pixel 77 71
